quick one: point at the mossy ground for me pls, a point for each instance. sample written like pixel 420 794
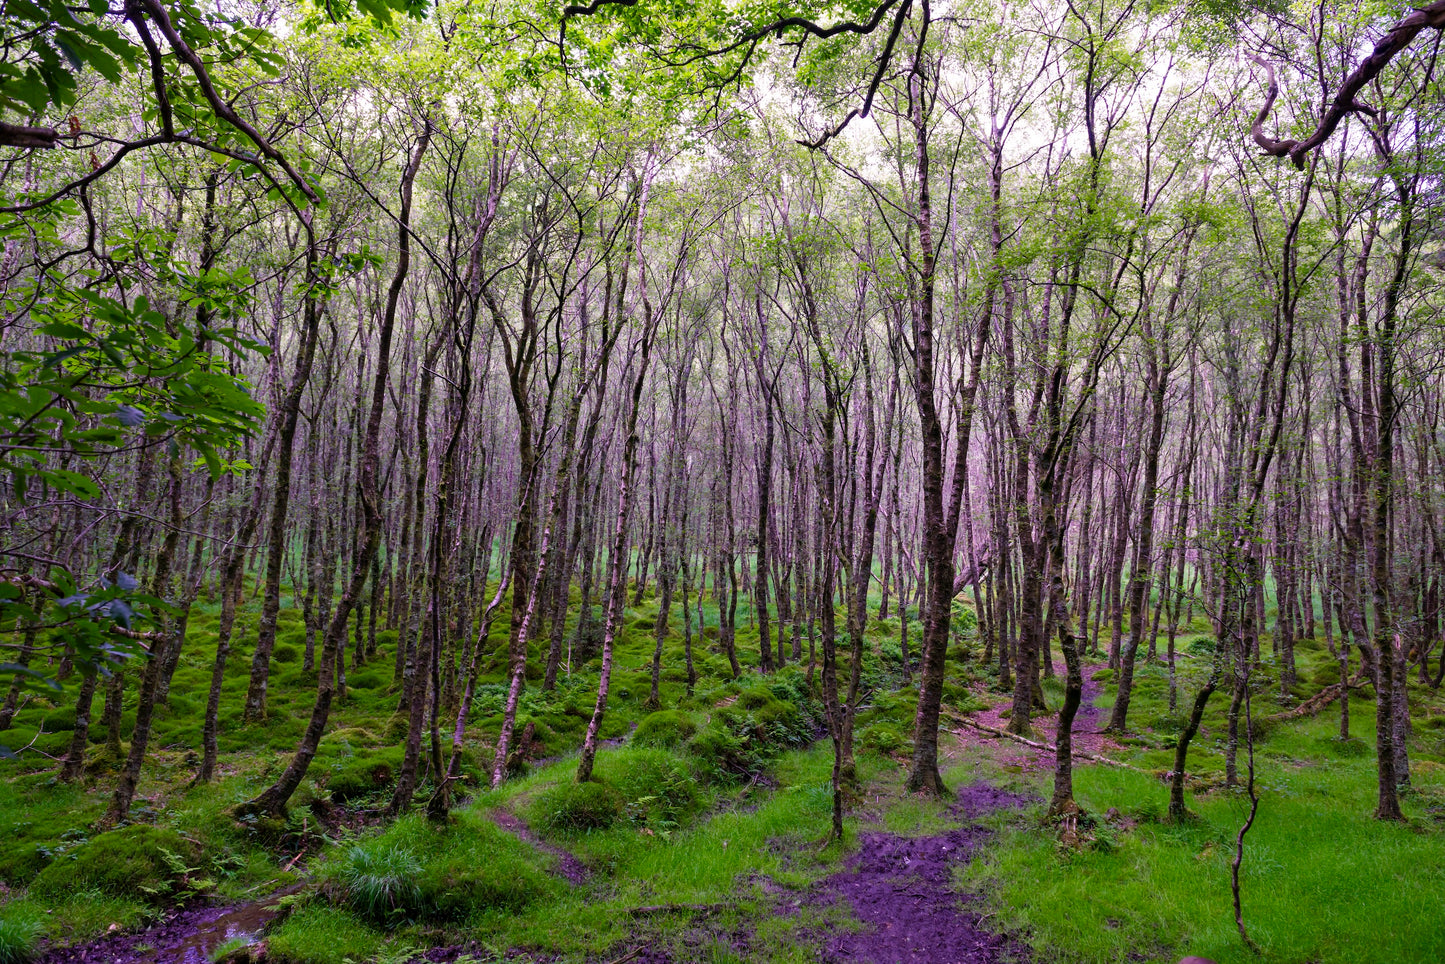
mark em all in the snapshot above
pixel 715 811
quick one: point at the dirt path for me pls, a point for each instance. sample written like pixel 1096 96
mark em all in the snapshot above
pixel 901 889
pixel 568 866
pixel 1087 724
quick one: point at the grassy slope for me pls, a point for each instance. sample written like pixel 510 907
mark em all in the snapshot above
pixel 1322 882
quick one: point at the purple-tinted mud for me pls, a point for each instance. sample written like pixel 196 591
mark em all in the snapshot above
pixel 186 936
pixel 901 890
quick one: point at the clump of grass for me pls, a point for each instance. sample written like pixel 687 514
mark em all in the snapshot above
pixel 656 786
pixel 364 775
pixel 379 881
pixel 18 936
pixel 455 888
pixel 665 728
pixel 572 807
pixel 416 872
pixel 237 950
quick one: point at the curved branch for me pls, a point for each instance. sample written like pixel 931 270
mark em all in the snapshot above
pixel 1395 40
pixel 224 110
pixel 748 41
pixel 1269 145
pixel 884 59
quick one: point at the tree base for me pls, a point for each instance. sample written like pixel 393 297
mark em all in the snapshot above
pixel 927 780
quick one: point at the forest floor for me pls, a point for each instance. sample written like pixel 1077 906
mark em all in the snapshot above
pixel 703 838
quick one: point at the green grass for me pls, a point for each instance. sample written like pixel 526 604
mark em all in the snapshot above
pixel 319 934
pixel 725 806
pixel 19 933
pixel 1320 877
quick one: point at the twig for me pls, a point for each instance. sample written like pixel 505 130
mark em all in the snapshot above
pixel 629 955
pixel 673 908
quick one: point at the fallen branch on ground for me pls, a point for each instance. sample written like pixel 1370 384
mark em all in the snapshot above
pixel 1080 754
pixel 1317 702
pixel 674 908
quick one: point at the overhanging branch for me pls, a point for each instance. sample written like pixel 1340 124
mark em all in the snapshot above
pixel 1395 40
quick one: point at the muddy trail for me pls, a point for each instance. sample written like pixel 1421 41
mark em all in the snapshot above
pixel 1089 737
pixel 568 867
pixel 187 936
pixel 901 890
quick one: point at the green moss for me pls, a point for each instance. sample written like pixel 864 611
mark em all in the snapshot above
pixel 883 737
pixel 285 653
pixel 1326 674
pixel 455 888
pixel 365 774
pixel 665 728
pixel 59 721
pixel 321 934
pixel 138 862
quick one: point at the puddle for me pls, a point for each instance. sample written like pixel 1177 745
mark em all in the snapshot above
pixel 188 936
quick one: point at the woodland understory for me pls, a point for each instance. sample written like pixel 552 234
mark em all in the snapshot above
pixel 870 481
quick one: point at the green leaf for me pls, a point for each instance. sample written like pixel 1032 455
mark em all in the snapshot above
pixel 72 482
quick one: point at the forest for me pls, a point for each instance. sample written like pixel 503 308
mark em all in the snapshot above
pixel 745 480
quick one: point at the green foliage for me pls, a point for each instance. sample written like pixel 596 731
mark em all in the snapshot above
pixel 365 774
pixel 140 862
pixel 1201 646
pixel 883 737
pixel 379 881
pixel 665 728
pixel 156 384
pixel 657 788
pixel 576 807
pixel 758 715
pixel 721 754
pixel 18 937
